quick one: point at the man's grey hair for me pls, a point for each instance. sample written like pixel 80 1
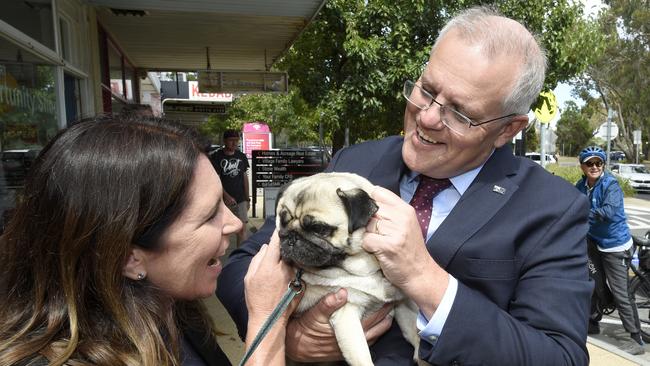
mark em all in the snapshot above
pixel 499 36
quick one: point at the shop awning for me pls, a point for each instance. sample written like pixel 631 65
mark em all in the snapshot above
pixel 176 35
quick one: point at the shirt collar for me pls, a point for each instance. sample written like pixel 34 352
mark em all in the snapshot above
pixel 460 182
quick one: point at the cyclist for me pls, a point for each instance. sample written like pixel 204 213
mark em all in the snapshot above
pixel 609 241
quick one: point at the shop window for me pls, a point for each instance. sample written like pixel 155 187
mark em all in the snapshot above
pixel 32 17
pixel 129 82
pixel 115 71
pixel 72 87
pixel 28 118
pixel 119 77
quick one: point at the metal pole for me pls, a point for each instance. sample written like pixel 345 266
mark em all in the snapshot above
pixel 609 136
pixel 320 136
pixel 542 143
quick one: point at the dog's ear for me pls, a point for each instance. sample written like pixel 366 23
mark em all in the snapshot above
pixel 359 207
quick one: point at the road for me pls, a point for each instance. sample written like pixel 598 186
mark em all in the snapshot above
pixel 638 215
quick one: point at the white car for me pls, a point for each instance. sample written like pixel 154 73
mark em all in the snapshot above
pixel 637 174
pixel 535 156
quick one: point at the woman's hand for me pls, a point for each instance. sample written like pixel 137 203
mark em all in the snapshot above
pixel 267 281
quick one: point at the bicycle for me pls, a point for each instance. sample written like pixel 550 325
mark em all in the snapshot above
pixel 639 285
pixel 640 282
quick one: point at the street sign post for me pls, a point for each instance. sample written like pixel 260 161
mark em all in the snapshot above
pixel 545 112
pixel 637 143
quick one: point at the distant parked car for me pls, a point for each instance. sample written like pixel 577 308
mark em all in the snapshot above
pixel 617 156
pixel 536 157
pixel 637 174
pixel 16 165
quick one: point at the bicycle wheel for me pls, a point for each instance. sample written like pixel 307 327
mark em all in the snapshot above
pixel 640 290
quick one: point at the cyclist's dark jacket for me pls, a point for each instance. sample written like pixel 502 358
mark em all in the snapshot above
pixel 607 225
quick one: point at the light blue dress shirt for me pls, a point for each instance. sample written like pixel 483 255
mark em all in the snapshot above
pixel 443 203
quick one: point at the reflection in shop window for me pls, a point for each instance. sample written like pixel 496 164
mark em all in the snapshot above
pixel 32 17
pixel 27 105
pixel 27 122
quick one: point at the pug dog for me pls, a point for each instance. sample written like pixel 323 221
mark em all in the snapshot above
pixel 321 220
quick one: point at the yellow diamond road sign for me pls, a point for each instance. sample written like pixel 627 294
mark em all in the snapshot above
pixel 547 110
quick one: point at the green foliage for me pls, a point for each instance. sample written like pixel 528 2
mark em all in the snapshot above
pixel 573 131
pixel 571 42
pixel 620 75
pixel 284 113
pixel 573 174
pixel 352 60
pixel 532 140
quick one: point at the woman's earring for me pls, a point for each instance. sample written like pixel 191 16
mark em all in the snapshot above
pixel 141 276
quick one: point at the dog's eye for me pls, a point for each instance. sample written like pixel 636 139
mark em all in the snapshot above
pixel 321 229
pixel 284 217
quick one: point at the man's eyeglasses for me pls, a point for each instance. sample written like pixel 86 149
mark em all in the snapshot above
pixel 597 163
pixel 453 119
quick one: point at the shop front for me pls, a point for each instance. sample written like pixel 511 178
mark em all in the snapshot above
pixel 43 83
pixel 65 60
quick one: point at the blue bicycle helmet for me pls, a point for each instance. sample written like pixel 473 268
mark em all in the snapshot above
pixel 590 152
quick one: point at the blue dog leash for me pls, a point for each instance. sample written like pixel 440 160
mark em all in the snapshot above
pixel 295 287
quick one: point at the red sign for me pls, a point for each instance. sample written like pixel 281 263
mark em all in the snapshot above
pixel 256 141
pixel 215 97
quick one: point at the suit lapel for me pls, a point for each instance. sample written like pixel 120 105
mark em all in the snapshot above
pixel 389 172
pixel 489 192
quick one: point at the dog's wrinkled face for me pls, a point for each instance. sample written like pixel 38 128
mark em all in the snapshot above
pixel 321 219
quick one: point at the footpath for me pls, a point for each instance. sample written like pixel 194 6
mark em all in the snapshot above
pixel 601 353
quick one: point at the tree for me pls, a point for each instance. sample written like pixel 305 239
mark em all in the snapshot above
pixel 351 62
pixel 573 130
pixel 532 139
pixel 621 76
pixel 284 113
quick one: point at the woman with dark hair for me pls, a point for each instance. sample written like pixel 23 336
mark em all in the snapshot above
pixel 116 239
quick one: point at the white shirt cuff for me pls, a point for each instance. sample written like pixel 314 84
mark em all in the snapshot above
pixel 430 330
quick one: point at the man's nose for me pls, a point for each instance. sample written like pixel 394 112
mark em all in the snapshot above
pixel 430 117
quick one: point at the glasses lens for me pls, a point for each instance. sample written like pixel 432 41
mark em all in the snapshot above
pixel 596 163
pixel 454 120
pixel 416 96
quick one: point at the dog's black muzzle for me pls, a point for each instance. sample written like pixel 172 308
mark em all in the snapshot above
pixel 314 252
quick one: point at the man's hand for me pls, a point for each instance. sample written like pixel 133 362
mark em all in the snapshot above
pixel 394 236
pixel 310 337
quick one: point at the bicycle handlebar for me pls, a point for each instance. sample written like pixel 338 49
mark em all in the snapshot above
pixel 640 241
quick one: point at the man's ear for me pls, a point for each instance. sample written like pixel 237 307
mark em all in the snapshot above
pixel 511 129
pixel 135 266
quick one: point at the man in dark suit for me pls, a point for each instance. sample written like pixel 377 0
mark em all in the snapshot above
pixel 502 278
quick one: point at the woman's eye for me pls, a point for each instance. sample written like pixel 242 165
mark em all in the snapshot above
pixel 214 214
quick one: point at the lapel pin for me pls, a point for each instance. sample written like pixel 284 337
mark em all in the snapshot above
pixel 498 189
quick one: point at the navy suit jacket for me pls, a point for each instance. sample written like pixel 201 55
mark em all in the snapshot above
pixel 516 243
